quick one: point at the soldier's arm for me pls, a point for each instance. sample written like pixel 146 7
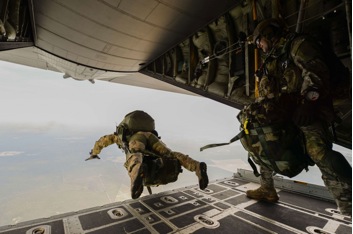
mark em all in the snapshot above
pixel 103 142
pixel 315 73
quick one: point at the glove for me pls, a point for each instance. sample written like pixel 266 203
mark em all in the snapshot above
pixel 92 156
pixel 305 114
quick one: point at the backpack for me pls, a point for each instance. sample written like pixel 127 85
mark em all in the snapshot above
pixel 277 145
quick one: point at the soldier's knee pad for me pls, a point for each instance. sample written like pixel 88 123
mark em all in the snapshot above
pixel 338 164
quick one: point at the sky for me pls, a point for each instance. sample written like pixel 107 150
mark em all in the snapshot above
pixel 49 124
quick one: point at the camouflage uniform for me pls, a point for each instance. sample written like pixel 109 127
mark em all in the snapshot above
pixel 142 143
pixel 294 67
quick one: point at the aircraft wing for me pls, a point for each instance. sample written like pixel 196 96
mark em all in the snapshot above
pixel 194 47
pixel 221 208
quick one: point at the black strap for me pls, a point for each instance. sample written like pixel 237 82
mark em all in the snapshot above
pixel 267 151
pixel 254 168
pixel 237 137
pixel 149 190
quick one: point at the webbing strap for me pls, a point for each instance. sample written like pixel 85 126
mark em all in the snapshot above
pixel 254 168
pixel 267 151
pixel 149 189
pixel 237 137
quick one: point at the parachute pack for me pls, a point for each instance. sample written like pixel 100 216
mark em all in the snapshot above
pixel 160 170
pixel 278 146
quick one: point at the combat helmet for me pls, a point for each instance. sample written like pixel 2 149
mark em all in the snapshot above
pixel 269 28
pixel 139 120
pixel 134 122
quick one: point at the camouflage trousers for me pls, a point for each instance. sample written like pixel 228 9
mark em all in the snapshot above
pixel 336 171
pixel 146 141
pixel 266 179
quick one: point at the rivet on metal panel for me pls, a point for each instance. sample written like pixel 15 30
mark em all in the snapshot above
pixel 170 212
pixel 317 230
pixel 43 229
pixel 207 221
pixel 169 199
pixel 196 203
pixel 158 204
pixel 231 183
pixel 117 213
pixel 149 219
pixel 333 211
pixel 139 210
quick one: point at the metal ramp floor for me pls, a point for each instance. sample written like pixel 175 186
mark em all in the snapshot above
pixel 221 208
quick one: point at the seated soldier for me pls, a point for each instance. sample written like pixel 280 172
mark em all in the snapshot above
pixel 137 136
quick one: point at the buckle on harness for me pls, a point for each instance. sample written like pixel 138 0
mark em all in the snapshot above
pixel 246 126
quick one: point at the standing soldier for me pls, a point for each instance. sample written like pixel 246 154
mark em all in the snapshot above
pixel 149 161
pixel 295 76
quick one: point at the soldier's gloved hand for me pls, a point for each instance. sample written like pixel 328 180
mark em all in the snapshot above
pixel 305 114
pixel 92 156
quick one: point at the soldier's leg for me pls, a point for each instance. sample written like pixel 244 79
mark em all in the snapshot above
pixel 134 168
pixel 267 191
pixel 133 164
pixel 187 162
pixel 160 148
pixel 200 168
pixel 190 164
pixel 340 189
pixel 336 171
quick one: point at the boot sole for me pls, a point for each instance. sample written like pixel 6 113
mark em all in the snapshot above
pixel 204 178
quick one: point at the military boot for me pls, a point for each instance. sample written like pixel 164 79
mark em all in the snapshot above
pixel 200 168
pixel 201 172
pixel 267 191
pixel 263 194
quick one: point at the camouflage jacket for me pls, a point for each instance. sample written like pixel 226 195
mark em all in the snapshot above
pixel 295 66
pixel 106 141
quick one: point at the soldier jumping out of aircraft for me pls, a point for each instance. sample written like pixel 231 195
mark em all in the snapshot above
pixel 295 78
pixel 149 161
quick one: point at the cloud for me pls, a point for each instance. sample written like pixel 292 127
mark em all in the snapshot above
pixel 32 127
pixel 10 153
pixel 230 164
pixel 116 159
pixel 73 138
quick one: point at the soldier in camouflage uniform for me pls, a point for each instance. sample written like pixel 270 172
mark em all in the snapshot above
pixel 295 77
pixel 140 144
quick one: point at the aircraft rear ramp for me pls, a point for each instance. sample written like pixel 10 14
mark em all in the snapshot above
pixel 222 208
